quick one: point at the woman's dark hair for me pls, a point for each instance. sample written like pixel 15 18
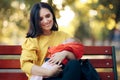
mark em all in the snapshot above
pixel 34 28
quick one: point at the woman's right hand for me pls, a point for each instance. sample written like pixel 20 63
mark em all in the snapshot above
pixel 55 70
pixel 46 72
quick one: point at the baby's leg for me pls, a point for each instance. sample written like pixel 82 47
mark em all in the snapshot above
pixel 34 77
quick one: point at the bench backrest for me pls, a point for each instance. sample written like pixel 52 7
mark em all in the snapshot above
pixel 102 58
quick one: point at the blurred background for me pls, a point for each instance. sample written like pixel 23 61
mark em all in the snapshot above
pixel 94 22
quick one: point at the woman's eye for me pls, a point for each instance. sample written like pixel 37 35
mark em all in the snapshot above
pixel 48 15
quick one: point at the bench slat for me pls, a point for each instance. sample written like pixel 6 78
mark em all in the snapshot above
pixel 13 76
pixel 22 76
pixel 106 75
pixel 102 63
pixel 9 64
pixel 6 50
pixel 98 50
pixel 10 50
pixel 6 63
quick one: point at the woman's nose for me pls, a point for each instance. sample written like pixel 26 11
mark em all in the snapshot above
pixel 45 20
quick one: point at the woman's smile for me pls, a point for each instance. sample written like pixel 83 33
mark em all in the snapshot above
pixel 47 24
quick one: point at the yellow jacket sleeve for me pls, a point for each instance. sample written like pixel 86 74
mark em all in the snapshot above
pixel 28 57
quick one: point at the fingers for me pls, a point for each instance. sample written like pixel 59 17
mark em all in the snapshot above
pixel 54 60
pixel 57 58
pixel 59 62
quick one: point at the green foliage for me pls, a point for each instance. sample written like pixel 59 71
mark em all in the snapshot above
pixel 14 21
pixel 83 31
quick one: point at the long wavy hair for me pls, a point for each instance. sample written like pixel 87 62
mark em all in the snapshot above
pixel 34 27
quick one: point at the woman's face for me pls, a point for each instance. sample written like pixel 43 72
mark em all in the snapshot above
pixel 46 19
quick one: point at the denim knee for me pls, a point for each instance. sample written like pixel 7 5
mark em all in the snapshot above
pixel 74 63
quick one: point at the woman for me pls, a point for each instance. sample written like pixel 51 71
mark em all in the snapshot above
pixel 42 34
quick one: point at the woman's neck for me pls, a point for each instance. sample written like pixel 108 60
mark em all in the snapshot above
pixel 47 33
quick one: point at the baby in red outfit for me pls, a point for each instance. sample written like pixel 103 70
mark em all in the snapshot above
pixel 71 44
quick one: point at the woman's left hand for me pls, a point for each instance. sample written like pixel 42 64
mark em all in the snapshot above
pixel 58 57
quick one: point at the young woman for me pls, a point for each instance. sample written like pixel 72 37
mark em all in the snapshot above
pixel 42 34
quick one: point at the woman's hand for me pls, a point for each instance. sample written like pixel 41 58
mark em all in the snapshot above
pixel 46 72
pixel 55 70
pixel 58 57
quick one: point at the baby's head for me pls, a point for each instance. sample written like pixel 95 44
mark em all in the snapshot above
pixel 71 40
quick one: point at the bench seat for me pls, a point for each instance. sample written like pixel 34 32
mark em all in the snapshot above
pixel 103 58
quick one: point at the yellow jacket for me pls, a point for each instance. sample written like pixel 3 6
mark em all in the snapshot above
pixel 34 50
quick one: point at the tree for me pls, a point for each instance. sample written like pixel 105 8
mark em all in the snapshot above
pixel 14 20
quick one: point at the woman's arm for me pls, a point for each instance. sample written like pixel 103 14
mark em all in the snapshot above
pixel 37 70
pixel 69 55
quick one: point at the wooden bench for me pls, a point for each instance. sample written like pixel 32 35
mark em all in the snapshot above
pixel 102 58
